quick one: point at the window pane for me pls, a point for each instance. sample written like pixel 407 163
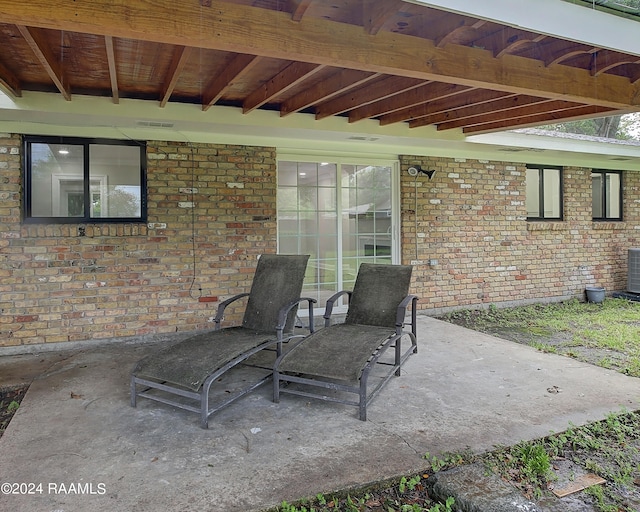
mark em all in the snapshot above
pixel 552 193
pixel 533 193
pixel 287 174
pixel 114 173
pixel 597 191
pixel 614 208
pixel 57 180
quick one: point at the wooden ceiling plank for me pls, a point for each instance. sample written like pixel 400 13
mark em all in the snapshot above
pixel 47 60
pixel 233 70
pixel 534 107
pixel 180 57
pixel 376 13
pixel 571 114
pixel 300 9
pixel 384 88
pixel 335 85
pixel 425 93
pixel 10 82
pixel 442 105
pixel 113 75
pixel 292 75
pixel 245 29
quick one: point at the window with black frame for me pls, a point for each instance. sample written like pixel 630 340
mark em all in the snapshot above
pixel 606 188
pixel 75 180
pixel 544 192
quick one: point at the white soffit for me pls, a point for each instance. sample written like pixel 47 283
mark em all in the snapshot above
pixel 554 18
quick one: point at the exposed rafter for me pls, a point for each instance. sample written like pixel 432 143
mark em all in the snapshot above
pixel 9 81
pixel 113 75
pixel 283 81
pixel 180 57
pixel 391 61
pixel 376 13
pixel 338 83
pixel 237 66
pixel 234 27
pixel 382 88
pixel 407 99
pixel 47 60
pixel 440 104
pixel 300 9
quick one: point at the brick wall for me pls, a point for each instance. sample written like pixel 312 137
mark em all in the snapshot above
pixel 471 218
pixel 77 282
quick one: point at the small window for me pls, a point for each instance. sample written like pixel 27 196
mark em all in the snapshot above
pixel 544 193
pixel 606 187
pixel 84 180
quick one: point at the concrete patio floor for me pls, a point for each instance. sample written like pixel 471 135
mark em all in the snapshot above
pixel 463 390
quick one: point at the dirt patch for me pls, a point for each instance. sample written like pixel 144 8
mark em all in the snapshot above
pixel 10 399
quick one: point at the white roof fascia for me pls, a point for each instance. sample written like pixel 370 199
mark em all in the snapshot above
pixel 556 18
pixel 557 142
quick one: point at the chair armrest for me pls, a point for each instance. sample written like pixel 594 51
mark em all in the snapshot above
pixel 284 313
pixel 402 312
pixel 223 305
pixel 328 310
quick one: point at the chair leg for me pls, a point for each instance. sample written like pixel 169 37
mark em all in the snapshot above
pixel 134 391
pixel 276 387
pixel 398 363
pixel 363 400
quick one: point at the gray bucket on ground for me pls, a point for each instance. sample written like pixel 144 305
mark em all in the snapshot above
pixel 595 294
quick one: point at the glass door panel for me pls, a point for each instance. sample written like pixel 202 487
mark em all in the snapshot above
pixel 339 222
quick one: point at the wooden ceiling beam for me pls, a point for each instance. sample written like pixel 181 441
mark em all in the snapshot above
pixel 180 57
pixel 10 82
pixel 245 29
pixel 557 116
pixel 294 74
pixel 46 58
pixel 111 62
pixel 469 111
pixel 423 94
pixel 383 88
pixel 534 106
pixel 335 85
pixel 233 70
pixel 441 105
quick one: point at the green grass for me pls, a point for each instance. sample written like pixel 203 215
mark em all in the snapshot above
pixel 572 328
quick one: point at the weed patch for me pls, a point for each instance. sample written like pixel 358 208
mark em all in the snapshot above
pixel 605 334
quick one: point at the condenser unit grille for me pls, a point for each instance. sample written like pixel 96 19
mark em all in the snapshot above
pixel 633 276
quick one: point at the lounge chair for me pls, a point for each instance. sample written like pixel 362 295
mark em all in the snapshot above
pixel 182 374
pixel 343 357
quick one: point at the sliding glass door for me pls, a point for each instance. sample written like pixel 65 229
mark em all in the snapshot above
pixel 342 213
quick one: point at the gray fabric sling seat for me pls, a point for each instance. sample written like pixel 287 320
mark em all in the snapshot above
pixel 342 357
pixel 182 375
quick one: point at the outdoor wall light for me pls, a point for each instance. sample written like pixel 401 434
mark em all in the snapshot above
pixel 417 170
